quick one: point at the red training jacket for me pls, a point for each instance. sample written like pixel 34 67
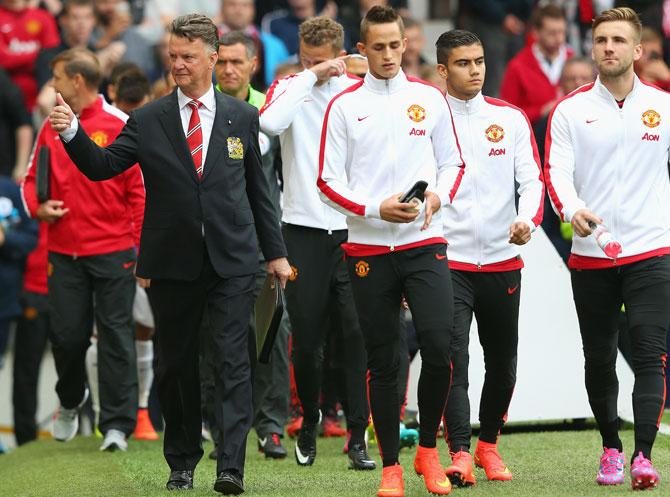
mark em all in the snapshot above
pixel 105 216
pixel 526 86
pixel 22 35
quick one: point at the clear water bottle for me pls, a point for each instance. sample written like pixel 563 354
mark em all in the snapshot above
pixel 605 240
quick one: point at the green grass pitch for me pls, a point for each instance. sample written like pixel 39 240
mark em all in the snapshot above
pixel 554 464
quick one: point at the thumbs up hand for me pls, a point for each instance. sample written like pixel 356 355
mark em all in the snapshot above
pixel 61 117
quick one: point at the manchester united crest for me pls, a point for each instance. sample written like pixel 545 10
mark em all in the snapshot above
pixel 235 148
pixel 494 133
pixel 651 118
pixel 100 138
pixel 294 273
pixel 362 269
pixel 416 113
pixel 33 26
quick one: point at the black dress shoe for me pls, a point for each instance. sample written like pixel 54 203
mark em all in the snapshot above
pixel 359 458
pixel 180 480
pixel 229 482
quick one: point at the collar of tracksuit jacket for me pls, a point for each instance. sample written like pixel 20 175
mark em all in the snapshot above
pixel 498 146
pixel 613 161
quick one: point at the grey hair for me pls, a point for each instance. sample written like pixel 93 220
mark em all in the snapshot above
pixel 196 26
pixel 238 37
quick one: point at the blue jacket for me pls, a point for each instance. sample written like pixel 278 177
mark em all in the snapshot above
pixel 20 239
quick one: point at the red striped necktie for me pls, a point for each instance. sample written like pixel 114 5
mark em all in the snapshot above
pixel 194 137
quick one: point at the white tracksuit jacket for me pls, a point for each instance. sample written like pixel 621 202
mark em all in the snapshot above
pixel 379 137
pixel 613 161
pixel 498 146
pixel 294 110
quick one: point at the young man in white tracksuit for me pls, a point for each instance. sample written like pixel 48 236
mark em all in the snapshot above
pixel 380 137
pixel 318 292
pixel 483 227
pixel 607 163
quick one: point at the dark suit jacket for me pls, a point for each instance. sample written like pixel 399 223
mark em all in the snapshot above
pixel 232 195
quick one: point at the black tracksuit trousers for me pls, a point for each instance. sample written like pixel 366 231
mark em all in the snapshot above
pixel 493 298
pixel 421 274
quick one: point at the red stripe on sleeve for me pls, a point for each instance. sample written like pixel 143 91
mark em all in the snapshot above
pixel 537 218
pixel 270 94
pixel 547 152
pixel 323 186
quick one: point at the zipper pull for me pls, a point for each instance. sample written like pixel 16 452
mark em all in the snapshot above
pixel 392 248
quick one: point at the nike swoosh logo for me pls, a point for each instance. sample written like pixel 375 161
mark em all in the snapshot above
pixel 444 484
pixel 126 265
pixel 301 459
pixel 263 441
pixel 510 291
pixel 589 121
pixel 363 118
pixel 505 471
pixel 440 257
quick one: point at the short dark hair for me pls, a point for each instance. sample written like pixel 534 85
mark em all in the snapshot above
pixel 196 26
pixel 454 39
pixel 80 61
pixel 550 11
pixel 239 38
pixel 380 14
pixel 132 87
pixel 68 4
pixel 120 69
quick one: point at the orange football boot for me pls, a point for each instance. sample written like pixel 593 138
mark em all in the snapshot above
pixel 461 472
pixel 144 430
pixel 392 484
pixel 427 464
pixel 487 457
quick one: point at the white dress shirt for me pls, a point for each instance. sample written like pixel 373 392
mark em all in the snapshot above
pixel 207 111
pixel 551 68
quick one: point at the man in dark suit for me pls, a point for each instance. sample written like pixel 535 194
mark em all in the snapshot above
pixel 207 197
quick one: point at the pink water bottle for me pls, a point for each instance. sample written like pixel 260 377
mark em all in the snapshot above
pixel 605 240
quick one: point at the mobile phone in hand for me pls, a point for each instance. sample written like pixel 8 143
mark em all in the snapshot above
pixel 416 192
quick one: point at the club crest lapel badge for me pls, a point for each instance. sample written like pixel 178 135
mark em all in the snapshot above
pixel 235 148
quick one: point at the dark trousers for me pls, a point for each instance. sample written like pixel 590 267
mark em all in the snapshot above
pixel 178 308
pixel 422 275
pixel 644 288
pixel 102 286
pixel 493 298
pixel 318 296
pixel 270 381
pixel 32 331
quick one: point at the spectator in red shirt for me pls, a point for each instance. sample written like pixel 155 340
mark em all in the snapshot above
pixel 24 31
pixel 532 78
